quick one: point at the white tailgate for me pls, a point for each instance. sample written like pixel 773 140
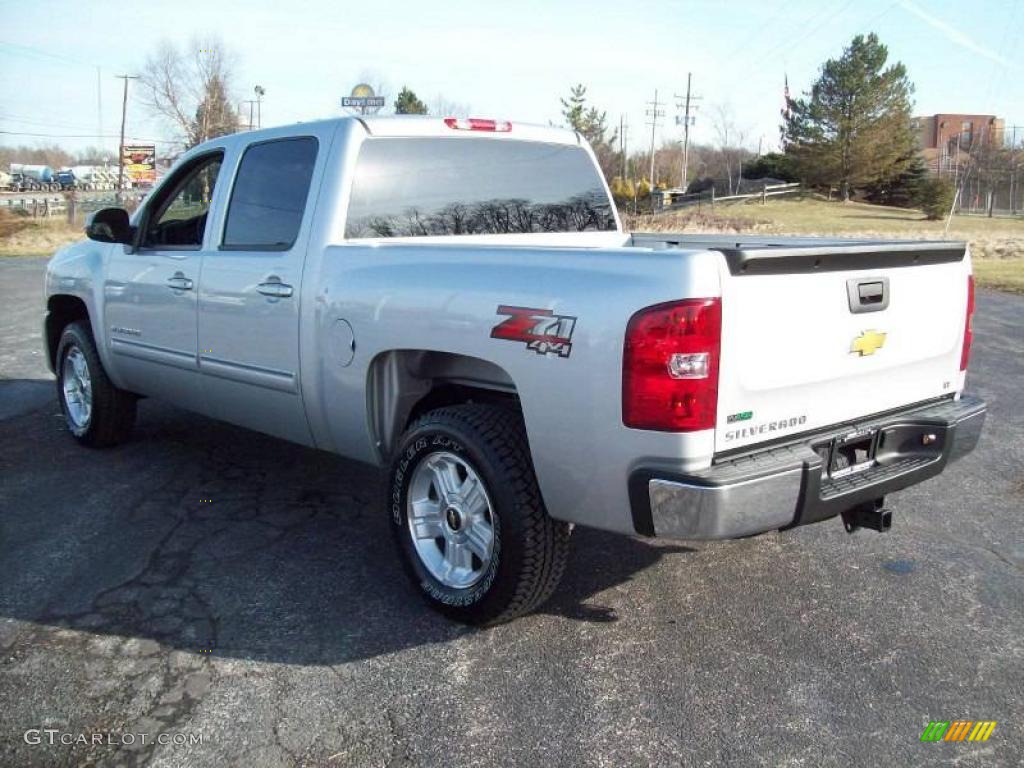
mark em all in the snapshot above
pixel 786 349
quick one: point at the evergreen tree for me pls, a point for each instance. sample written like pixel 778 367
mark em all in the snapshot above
pixel 853 129
pixel 214 115
pixel 936 197
pixel 903 191
pixel 408 104
pixel 593 126
pixel 772 165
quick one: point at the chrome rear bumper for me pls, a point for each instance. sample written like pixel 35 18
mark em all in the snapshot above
pixel 787 485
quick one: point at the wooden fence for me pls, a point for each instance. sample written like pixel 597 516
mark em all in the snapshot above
pixel 45 206
pixel 674 202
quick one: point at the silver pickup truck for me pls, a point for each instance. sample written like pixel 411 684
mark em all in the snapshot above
pixel 455 300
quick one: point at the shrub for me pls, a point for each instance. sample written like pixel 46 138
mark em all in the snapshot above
pixel 773 165
pixel 936 197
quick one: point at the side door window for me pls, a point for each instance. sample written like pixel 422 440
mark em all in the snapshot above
pixel 178 218
pixel 269 196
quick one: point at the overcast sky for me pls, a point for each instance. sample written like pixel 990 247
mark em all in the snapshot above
pixel 506 60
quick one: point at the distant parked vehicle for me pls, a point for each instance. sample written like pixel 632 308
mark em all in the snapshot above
pixel 35 177
pixel 94 177
pixel 21 183
pixel 66 180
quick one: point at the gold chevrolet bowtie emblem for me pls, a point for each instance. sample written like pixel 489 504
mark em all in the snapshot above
pixel 868 343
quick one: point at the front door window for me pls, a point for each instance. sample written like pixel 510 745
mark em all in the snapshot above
pixel 179 219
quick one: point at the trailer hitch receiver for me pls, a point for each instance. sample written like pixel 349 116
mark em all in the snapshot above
pixel 870 514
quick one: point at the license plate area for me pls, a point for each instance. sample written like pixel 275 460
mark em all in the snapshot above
pixel 849 453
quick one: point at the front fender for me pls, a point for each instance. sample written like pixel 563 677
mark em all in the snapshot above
pixel 78 270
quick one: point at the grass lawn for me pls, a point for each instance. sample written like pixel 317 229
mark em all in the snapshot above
pixel 997 245
pixel 23 236
pixel 1001 274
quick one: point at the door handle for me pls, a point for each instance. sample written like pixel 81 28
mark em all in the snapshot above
pixel 179 282
pixel 275 289
pixel 868 295
pixel 871 293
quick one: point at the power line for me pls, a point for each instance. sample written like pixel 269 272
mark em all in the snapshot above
pixel 773 47
pixel 878 16
pixel 792 43
pixel 85 136
pixel 36 54
pixel 8 118
pixel 24 50
pixel 998 69
pixel 757 29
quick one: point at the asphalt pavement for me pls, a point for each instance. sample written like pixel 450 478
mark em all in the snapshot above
pixel 241 595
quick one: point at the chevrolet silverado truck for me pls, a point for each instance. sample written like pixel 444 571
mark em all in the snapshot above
pixel 455 300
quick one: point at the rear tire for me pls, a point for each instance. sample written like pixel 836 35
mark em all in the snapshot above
pixel 484 549
pixel 98 414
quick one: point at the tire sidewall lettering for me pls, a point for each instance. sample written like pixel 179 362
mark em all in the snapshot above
pixel 416 450
pixel 398 480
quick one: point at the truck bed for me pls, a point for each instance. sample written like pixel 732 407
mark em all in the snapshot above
pixel 755 254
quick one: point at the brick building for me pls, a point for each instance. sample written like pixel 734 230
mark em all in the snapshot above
pixel 945 137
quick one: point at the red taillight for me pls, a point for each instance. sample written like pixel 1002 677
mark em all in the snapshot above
pixel 670 366
pixel 965 355
pixel 478 124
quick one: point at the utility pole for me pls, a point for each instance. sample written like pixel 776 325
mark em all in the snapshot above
pixel 99 109
pixel 250 102
pixel 686 105
pixel 1013 172
pixel 654 113
pixel 124 116
pixel 623 143
pixel 260 93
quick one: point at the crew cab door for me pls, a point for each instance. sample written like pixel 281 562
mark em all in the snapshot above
pixel 249 291
pixel 150 291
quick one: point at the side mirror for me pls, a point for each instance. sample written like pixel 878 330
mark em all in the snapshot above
pixel 109 225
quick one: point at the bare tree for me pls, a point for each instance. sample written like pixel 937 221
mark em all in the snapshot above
pixel 729 139
pixel 444 107
pixel 52 155
pixel 191 89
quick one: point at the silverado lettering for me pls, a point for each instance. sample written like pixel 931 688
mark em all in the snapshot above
pixel 761 429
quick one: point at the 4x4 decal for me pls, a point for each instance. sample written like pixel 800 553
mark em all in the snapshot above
pixel 543 331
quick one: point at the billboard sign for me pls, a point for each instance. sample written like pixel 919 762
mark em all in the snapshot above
pixel 139 163
pixel 363 99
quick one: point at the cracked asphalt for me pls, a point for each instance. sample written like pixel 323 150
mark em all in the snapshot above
pixel 242 592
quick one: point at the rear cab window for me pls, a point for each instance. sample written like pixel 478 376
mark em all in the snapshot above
pixel 269 195
pixel 421 187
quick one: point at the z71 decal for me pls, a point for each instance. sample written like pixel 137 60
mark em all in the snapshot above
pixel 543 331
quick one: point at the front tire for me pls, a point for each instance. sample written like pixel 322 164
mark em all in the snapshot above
pixel 97 413
pixel 468 519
